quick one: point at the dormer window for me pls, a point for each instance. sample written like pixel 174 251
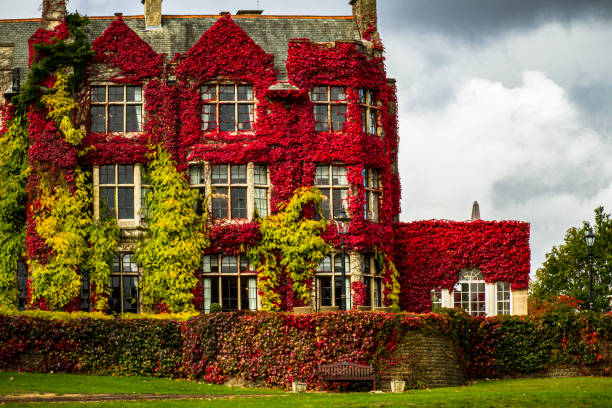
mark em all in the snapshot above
pixel 227 107
pixel 330 108
pixel 116 108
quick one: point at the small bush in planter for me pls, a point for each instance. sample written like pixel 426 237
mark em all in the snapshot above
pixel 215 308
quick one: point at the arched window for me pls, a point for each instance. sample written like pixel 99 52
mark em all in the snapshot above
pixel 470 292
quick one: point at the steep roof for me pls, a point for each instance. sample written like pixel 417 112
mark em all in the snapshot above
pixel 179 33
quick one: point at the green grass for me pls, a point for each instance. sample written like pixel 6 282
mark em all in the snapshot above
pixel 23 383
pixel 541 392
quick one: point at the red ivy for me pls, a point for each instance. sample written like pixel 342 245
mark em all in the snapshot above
pixel 121 47
pixel 431 254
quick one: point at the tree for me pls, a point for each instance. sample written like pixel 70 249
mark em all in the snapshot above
pixel 566 268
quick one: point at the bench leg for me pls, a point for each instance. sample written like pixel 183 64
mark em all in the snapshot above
pixel 374 384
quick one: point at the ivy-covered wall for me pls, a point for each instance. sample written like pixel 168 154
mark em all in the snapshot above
pixel 54 151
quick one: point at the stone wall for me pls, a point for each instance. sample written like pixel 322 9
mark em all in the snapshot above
pixel 424 362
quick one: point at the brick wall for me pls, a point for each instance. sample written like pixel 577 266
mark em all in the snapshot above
pixel 424 362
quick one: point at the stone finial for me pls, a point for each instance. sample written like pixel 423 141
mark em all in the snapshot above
pixel 153 14
pixel 475 211
pixel 364 12
pixel 53 13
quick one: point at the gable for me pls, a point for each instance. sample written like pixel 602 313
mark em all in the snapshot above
pixel 226 51
pixel 121 47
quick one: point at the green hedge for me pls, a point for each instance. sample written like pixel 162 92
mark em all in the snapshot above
pixel 96 346
pixel 277 348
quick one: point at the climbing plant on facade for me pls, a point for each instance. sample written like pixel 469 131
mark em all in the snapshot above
pixel 172 251
pixel 64 239
pixel 290 243
pixel 14 172
pixel 78 243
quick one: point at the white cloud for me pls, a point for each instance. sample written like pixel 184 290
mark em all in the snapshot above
pixel 518 151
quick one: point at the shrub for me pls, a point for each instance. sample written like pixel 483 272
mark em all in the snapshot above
pixel 278 348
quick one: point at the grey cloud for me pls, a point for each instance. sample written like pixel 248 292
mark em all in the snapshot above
pixel 595 104
pixel 481 20
pixel 584 182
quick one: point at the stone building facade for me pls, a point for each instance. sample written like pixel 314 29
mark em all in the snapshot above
pixel 310 105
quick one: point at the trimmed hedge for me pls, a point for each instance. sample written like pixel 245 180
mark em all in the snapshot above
pixel 277 348
pixel 95 346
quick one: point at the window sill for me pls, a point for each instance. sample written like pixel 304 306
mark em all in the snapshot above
pixel 127 135
pixel 129 224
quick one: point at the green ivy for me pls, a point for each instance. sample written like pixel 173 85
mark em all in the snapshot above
pixel 78 242
pixel 73 52
pixel 292 243
pixel 176 238
pixel 14 173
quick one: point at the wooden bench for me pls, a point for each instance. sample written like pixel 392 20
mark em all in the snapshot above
pixel 345 371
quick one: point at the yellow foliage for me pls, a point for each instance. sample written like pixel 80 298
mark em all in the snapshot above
pixel 61 105
pixel 176 239
pixel 297 243
pixel 78 243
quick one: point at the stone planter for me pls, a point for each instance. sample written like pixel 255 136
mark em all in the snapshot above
pixel 298 386
pixel 382 309
pixel 364 308
pixel 302 310
pixel 398 385
pixel 329 308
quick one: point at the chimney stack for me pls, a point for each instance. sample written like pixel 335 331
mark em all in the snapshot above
pixel 364 12
pixel 153 14
pixel 53 13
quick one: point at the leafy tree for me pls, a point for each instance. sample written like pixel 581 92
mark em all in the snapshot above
pixel 566 268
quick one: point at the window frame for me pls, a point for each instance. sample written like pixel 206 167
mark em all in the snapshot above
pixel 331 187
pixel 373 280
pixel 368 105
pixel 121 274
pixel 504 301
pixel 436 299
pixel 372 194
pixel 250 185
pixel 333 274
pixel 125 103
pixel 330 104
pixel 22 284
pixel 248 274
pixel 137 187
pixel 217 102
pixel 470 277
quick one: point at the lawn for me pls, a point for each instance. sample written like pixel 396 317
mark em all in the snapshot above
pixel 542 392
pixel 23 383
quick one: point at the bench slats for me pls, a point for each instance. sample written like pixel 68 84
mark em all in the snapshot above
pixel 345 371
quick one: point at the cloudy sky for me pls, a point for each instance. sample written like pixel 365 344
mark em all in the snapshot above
pixel 504 102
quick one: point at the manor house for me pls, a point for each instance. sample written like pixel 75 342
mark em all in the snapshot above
pixel 251 107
